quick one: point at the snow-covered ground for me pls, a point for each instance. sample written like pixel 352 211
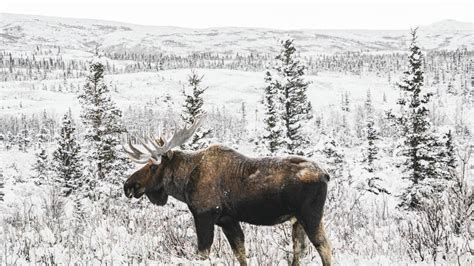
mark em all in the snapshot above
pixel 117 235
pixel 225 87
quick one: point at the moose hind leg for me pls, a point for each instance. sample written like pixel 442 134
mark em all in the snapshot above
pixel 299 245
pixel 323 246
pixel 317 236
pixel 311 217
pixel 235 236
pixel 205 233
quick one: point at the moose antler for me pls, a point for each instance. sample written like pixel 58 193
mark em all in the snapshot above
pixel 157 149
pixel 135 154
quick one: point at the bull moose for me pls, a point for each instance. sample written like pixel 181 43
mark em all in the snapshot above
pixel 223 187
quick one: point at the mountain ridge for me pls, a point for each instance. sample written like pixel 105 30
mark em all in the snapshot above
pixel 23 32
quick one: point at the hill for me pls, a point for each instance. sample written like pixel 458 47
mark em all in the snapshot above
pixel 25 32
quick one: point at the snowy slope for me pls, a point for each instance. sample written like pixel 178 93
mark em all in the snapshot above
pixel 24 32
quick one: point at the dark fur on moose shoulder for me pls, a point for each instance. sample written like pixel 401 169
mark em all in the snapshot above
pixel 223 187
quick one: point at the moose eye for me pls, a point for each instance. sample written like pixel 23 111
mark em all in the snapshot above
pixel 153 167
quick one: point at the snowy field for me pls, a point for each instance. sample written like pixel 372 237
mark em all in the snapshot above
pixel 225 88
pixel 118 233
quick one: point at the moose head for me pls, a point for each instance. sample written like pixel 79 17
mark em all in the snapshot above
pixel 158 164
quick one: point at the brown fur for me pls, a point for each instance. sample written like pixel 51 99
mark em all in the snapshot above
pixel 224 187
pixel 324 248
pixel 299 245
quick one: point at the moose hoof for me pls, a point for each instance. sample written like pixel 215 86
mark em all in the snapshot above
pixel 203 254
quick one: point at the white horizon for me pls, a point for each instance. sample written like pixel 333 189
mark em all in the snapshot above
pixel 321 15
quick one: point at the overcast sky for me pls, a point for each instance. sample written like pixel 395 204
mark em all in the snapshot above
pixel 324 14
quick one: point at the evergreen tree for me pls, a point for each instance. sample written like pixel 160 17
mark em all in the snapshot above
pixel 371 135
pixel 41 165
pixel 467 91
pixel 2 185
pixel 345 102
pixel 291 91
pixel 243 111
pixel 451 89
pixel 371 150
pixel 419 143
pixel 9 141
pixel 450 151
pixel 334 157
pixel 24 138
pixel 103 127
pixel 346 136
pixel 240 132
pixel 273 137
pixel 66 161
pixel 359 115
pixel 192 108
pixel 447 156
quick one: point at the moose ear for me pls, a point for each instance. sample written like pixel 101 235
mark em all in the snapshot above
pixel 169 154
pixel 155 162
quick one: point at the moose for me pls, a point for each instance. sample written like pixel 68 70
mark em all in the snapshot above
pixel 223 187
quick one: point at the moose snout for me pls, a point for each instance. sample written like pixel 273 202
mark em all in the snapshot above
pixel 128 189
pixel 133 189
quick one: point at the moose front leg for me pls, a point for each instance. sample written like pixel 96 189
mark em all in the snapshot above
pixel 204 223
pixel 299 245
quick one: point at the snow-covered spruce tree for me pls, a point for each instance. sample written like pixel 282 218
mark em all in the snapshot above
pixel 193 107
pixel 66 162
pixel 467 92
pixel 243 113
pixel 242 124
pixel 419 142
pixel 336 166
pixel 41 166
pixel 371 150
pixel 103 127
pixel 345 137
pixel 2 185
pixel 334 157
pixel 291 91
pixel 273 137
pixel 451 89
pixel 345 102
pixel 24 138
pixel 359 115
pixel 10 141
pixel 78 216
pixel 446 157
pixel 371 135
pixel 450 154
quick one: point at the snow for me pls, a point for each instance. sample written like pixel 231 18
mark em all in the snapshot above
pixel 225 88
